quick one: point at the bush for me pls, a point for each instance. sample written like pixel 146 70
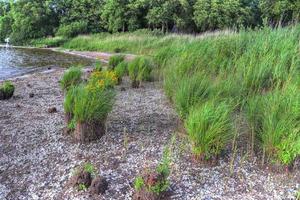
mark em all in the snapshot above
pixel 140 70
pixel 121 70
pixel 209 129
pixel 275 119
pixel 114 61
pixel 73 29
pixel 7 90
pixel 70 78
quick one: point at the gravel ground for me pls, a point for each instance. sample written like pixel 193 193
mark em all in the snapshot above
pixel 37 160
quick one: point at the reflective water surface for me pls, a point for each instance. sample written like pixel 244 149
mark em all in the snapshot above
pixel 17 61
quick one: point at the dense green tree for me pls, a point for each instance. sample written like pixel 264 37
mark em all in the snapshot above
pixel 136 14
pixel 28 19
pixel 84 11
pixel 280 11
pixel 32 19
pixel 114 15
pixel 5 20
pixel 220 14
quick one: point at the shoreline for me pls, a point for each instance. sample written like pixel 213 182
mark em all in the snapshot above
pixel 38 159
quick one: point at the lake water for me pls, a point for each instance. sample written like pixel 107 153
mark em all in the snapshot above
pixel 18 61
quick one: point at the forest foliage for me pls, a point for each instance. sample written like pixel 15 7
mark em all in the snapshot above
pixel 23 20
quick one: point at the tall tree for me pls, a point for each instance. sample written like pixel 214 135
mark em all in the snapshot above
pixel 220 14
pixel 114 15
pixel 281 11
pixel 32 19
pixel 87 11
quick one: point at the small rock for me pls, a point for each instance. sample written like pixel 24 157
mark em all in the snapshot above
pixel 49 68
pixel 28 85
pixel 18 106
pixel 99 185
pixel 52 110
pixel 31 95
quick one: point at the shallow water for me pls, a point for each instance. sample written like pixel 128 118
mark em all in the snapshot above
pixel 18 61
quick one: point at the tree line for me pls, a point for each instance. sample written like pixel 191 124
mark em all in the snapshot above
pixel 22 20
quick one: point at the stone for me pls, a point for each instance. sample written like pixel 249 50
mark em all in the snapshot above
pixel 52 110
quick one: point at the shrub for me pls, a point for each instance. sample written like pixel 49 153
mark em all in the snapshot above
pixel 275 119
pixel 114 61
pixel 209 129
pixel 140 70
pixel 7 90
pixel 121 70
pixel 71 77
pixel 73 29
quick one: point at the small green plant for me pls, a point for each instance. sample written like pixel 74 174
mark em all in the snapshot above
pixel 163 169
pixel 156 181
pixel 209 129
pixel 71 77
pixel 139 183
pixel 7 90
pixel 82 187
pixel 89 168
pixel 121 70
pixel 115 60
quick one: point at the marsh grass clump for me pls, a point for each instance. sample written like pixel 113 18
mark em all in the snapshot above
pixel 87 106
pixel 140 70
pixel 91 108
pixel 114 61
pixel 71 77
pixel 121 70
pixel 154 183
pixel 275 119
pixel 7 90
pixel 209 129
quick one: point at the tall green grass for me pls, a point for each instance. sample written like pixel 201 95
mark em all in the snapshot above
pixel 209 128
pixel 241 68
pixel 71 77
pixel 275 119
